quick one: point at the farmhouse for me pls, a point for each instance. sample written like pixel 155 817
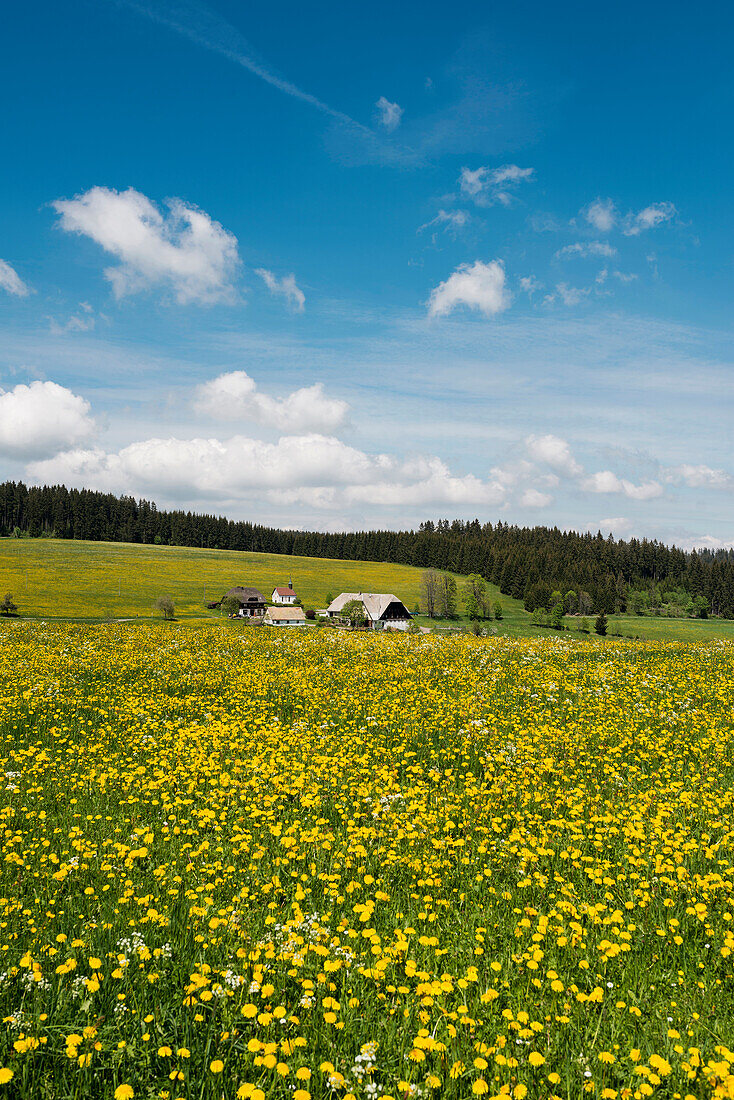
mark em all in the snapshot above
pixel 252 602
pixel 382 610
pixel 284 595
pixel 285 616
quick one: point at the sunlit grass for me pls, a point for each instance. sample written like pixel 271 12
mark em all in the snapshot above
pixel 237 863
pixel 98 581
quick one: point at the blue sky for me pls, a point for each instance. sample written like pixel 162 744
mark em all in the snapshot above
pixel 336 268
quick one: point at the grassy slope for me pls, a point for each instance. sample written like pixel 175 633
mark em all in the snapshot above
pixel 51 578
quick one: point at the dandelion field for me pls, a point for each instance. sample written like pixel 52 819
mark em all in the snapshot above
pixel 330 866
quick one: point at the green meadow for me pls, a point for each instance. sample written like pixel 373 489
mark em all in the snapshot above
pixel 97 581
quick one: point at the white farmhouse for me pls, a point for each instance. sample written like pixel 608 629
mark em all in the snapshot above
pixel 284 616
pixel 382 610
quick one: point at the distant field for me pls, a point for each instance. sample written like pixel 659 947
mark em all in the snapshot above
pixel 93 581
pixel 56 578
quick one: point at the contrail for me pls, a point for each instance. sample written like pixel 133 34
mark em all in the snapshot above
pixel 205 28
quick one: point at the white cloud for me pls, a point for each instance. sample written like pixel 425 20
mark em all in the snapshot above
pixel 11 281
pixel 388 114
pixel 41 419
pixel 705 542
pixel 571 295
pixel 531 498
pixel 490 185
pixel 624 277
pixel 315 469
pixel 586 248
pixel 649 218
pixel 185 249
pixel 234 396
pixel 286 286
pixel 619 526
pixel 601 214
pixel 605 481
pixel 82 321
pixel 554 452
pixel 450 219
pixel 702 477
pixel 512 473
pixel 530 285
pixel 478 286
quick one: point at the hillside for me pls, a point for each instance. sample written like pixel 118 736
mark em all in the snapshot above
pixel 526 564
pixel 57 578
pixel 97 581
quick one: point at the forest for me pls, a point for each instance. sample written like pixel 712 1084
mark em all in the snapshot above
pixel 528 563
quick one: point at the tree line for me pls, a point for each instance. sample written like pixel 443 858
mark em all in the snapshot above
pixel 526 563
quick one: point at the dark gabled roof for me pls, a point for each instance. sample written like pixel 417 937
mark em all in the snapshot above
pixel 245 595
pixel 374 603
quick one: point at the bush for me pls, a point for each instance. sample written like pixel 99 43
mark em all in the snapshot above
pixel 310 613
pixel 600 626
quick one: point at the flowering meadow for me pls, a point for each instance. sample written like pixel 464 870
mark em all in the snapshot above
pixel 240 863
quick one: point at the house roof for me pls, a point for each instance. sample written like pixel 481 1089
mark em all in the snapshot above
pixel 287 613
pixel 245 595
pixel 285 591
pixel 374 603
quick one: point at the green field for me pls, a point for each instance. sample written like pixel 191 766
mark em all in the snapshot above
pixel 97 581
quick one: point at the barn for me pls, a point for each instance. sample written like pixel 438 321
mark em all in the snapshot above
pixel 382 610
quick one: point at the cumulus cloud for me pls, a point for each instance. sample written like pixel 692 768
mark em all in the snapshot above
pixel 605 481
pixel 487 186
pixel 312 467
pixel 601 215
pixel 388 114
pixel 701 477
pixel 41 419
pixel 11 281
pixel 553 452
pixel 184 249
pixel 619 526
pixel 286 286
pixel 705 542
pixel 478 286
pixel 234 396
pixel 532 498
pixel 649 218
pixel 586 248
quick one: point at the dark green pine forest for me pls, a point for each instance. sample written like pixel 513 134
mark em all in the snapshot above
pixel 535 564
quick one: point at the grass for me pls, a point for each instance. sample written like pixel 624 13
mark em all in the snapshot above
pixel 53 578
pixel 97 581
pixel 245 865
